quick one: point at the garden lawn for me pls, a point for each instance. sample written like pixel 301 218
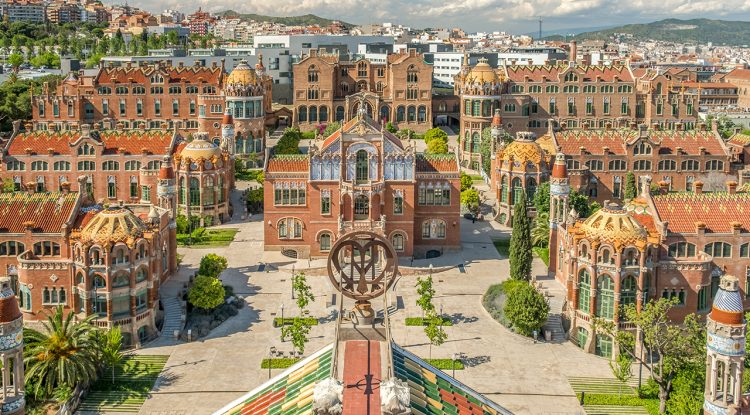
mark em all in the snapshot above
pixel 502 246
pixel 212 237
pixel 134 379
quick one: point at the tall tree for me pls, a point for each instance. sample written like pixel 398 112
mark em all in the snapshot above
pixel 631 190
pixel 541 198
pixel 426 292
pixel 110 343
pixel 434 331
pixel 520 241
pixel 540 233
pixel 303 294
pixel 64 352
pixel 667 348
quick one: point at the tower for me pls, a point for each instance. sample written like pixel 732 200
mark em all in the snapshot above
pixel 497 125
pixel 725 345
pixel 227 132
pixel 166 191
pixel 11 352
pixel 559 190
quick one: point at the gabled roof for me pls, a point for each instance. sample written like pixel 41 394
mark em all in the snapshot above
pixel 141 74
pixel 717 210
pixel 44 212
pixel 537 73
pixel 437 163
pixel 289 393
pixel 570 142
pixel 289 163
pixel 743 74
pixel 351 126
pixel 131 141
pixel 689 141
pixel 739 139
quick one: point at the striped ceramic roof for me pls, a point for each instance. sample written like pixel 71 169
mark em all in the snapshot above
pixel 131 141
pixel 690 142
pixel 739 139
pixel 289 393
pixel 537 73
pixel 435 393
pixel 729 301
pixel 48 211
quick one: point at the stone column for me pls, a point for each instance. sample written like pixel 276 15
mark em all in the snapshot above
pixel 641 278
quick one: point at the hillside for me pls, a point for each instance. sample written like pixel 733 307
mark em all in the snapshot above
pixel 720 32
pixel 304 20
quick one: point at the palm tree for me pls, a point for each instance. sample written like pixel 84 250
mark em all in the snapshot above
pixel 540 232
pixel 64 353
pixel 110 343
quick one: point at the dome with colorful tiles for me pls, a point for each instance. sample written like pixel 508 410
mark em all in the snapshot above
pixel 114 224
pixel 727 307
pixel 614 225
pixel 242 74
pixel 9 310
pixel 200 148
pixel 482 73
pixel 523 150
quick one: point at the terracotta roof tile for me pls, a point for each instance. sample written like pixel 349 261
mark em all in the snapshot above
pixel 288 163
pixel 690 141
pixel 740 139
pixel 437 163
pixel 142 74
pixel 132 141
pixel 48 211
pixel 537 73
pixel 717 210
pixel 738 73
pixel 570 141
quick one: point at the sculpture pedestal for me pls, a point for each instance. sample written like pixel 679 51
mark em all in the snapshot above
pixel 364 314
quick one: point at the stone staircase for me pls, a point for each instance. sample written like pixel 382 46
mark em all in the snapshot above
pixel 172 317
pixel 614 410
pixel 554 319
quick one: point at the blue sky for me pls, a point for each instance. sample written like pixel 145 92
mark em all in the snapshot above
pixel 516 16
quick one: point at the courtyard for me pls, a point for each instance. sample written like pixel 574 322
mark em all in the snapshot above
pixel 517 373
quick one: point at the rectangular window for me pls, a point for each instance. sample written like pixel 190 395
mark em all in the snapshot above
pixel 157 108
pixel 141 300
pixel 123 108
pixel 133 189
pixel 202 111
pixel 175 108
pixel 398 205
pixel 571 106
pixel 146 193
pixel 121 305
pixel 277 196
pixel 703 304
pixel 105 107
pixel 139 108
pixel 325 205
pixel 192 107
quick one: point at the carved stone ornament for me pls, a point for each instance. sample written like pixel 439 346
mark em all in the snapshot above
pixel 362 265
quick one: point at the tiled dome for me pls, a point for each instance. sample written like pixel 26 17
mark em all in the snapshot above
pixel 114 224
pixel 524 150
pixel 200 148
pixel 727 307
pixel 614 225
pixel 242 74
pixel 9 310
pixel 482 73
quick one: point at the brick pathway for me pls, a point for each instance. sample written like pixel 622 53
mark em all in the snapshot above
pixel 362 377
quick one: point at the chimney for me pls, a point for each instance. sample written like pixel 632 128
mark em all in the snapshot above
pixel 31 187
pixel 663 187
pixel 731 187
pixel 85 130
pixel 698 187
pixel 702 126
pixel 573 51
pixel 65 187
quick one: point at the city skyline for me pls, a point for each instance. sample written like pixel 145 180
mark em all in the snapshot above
pixel 516 17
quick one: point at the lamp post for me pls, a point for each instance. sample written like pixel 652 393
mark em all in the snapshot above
pixel 454 357
pixel 282 322
pixel 271 352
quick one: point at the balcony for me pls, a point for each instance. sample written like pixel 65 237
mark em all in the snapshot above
pixel 362 225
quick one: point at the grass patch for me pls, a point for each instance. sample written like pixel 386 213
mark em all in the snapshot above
pixel 288 321
pixel 476 177
pixel 651 404
pixel 502 246
pixel 211 237
pixel 420 321
pixel 134 378
pixel 446 364
pixel 280 363
pixel 542 253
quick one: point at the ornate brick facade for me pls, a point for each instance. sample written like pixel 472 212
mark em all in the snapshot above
pixel 328 89
pixel 362 177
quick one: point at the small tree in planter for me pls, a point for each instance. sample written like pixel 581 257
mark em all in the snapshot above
pixel 434 331
pixel 302 291
pixel 297 333
pixel 212 265
pixel 206 293
pixel 426 293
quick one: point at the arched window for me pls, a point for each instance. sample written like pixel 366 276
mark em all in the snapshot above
pixel 584 291
pixel 627 292
pixel 422 114
pixel 385 113
pixel 141 275
pixel 517 189
pixel 46 248
pixel 95 255
pixel 122 280
pixel 195 192
pixel 302 114
pixel 530 188
pixel 571 77
pixel 361 207
pixel 681 250
pixel 62 297
pixel 411 74
pixel 605 257
pixel 289 228
pixel 475 142
pixel 433 229
pixel 400 113
pixel 398 242
pixel 690 165
pixel 323 114
pixel 99 282
pixel 411 114
pixel 504 189
pixel 339 113
pixel 86 150
pixel 312 74
pixel 46 296
pixel 642 148
pixel 718 249
pixel 362 69
pixel 313 114
pixel 605 304
pixel 325 241
pixel 363 162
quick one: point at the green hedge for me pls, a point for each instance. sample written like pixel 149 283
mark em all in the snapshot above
pixel 542 253
pixel 651 404
pixel 288 321
pixel 446 364
pixel 419 321
pixel 280 363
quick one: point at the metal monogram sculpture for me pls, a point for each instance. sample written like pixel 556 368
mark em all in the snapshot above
pixel 362 265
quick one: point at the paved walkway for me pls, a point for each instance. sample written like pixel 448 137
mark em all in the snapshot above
pixel 525 377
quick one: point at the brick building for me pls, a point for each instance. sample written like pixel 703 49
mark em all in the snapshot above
pixel 569 95
pixel 327 88
pixel 670 245
pixel 60 249
pixel 741 79
pixel 362 178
